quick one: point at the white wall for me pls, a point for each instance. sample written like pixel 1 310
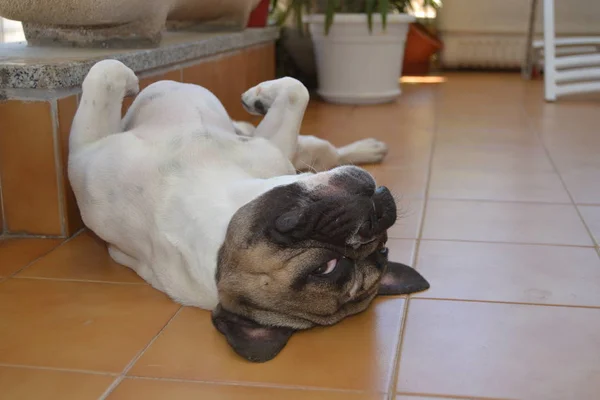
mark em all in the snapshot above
pixel 512 16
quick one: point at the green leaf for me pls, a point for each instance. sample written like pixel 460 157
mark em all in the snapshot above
pixel 369 7
pixel 297 4
pixel 329 14
pixel 284 15
pixel 384 6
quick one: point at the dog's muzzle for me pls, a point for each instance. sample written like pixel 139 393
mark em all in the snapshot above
pixel 383 215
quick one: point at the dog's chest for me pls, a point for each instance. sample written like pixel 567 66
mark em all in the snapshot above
pixel 262 159
pixel 214 152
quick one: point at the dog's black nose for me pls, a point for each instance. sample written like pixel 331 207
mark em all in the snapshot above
pixel 383 215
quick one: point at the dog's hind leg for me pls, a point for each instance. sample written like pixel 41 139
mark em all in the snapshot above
pixel 282 102
pixel 366 151
pixel 317 155
pixel 99 112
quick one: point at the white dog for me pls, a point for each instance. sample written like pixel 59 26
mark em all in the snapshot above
pixel 220 220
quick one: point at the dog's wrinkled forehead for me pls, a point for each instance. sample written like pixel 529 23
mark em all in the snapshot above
pixel 340 207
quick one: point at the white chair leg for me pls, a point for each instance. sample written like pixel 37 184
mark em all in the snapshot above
pixel 549 52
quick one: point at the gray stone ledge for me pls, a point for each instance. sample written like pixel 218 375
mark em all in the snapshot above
pixel 26 67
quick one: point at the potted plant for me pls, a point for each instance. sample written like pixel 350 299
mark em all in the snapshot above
pixel 358 46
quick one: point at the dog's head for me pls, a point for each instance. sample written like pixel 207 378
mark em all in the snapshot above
pixel 305 254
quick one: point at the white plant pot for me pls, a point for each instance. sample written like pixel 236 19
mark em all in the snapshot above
pixel 355 66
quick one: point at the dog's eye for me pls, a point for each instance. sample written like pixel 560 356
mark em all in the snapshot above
pixel 326 269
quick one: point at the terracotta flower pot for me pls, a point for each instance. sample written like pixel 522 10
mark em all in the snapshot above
pixel 420 46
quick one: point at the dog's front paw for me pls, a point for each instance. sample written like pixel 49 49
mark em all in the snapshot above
pixel 366 151
pixel 260 98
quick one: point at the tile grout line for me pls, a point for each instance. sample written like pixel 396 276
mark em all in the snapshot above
pixel 588 204
pixel 59 369
pixel 135 359
pixel 393 387
pixel 43 278
pixel 587 228
pixel 476 200
pixel 449 396
pixel 4 227
pixel 44 255
pixel 560 176
pixel 58 165
pixel 515 303
pixel 9 235
pixel 578 246
pixel 252 384
pixel 391 394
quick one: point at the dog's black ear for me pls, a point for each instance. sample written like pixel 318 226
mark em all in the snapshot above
pixel 401 279
pixel 255 342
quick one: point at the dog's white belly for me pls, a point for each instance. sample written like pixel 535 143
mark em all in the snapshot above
pixel 160 195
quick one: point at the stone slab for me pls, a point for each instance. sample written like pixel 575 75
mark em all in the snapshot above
pixel 29 67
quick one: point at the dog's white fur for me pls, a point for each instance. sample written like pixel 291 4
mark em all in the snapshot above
pixel 161 185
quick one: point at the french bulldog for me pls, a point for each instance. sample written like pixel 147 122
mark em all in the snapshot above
pixel 220 219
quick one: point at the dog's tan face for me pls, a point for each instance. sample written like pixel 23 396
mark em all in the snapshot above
pixel 305 254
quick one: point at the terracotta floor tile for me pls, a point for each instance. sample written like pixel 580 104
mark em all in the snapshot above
pixel 510 272
pixel 492 158
pixel 583 185
pixel 356 354
pixel 409 142
pixel 591 216
pixel 408 154
pixel 84 257
pixel 450 117
pixel 500 351
pixel 77 325
pixel 18 253
pixel 580 118
pixel 409 219
pixel 504 222
pixel 393 118
pixel 492 137
pixel 417 397
pixel 573 160
pixel 159 390
pixel 407 150
pixel 402 182
pixel 450 183
pixel 568 147
pixel 402 250
pixel 483 113
pixel 326 121
pixel 29 383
